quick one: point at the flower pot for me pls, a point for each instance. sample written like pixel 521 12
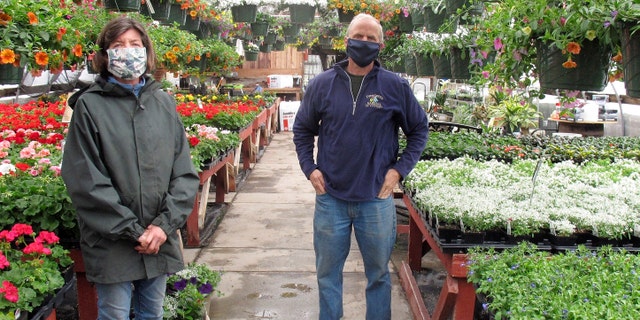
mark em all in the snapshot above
pixel 191 24
pixel 433 20
pixel 325 41
pixel 448 234
pixel 473 237
pixel 290 39
pixel 270 38
pixel 259 28
pixel 266 48
pixel 122 5
pixel 631 60
pixel 251 56
pixel 176 14
pixel 424 65
pixel 459 62
pixel 345 17
pixel 410 67
pixel 405 24
pixel 590 74
pixel 564 241
pixel 244 13
pixel 10 74
pixel 279 45
pixel 301 13
pixel 292 30
pixel 161 9
pixel 417 19
pixel 441 66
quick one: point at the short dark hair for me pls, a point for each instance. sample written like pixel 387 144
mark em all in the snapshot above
pixel 111 31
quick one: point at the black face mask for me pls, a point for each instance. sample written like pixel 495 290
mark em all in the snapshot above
pixel 362 52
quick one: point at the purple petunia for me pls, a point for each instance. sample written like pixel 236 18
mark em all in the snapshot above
pixel 180 285
pixel 206 288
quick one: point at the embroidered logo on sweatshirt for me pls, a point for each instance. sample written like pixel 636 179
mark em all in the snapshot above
pixel 374 101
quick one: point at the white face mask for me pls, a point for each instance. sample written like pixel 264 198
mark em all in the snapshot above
pixel 127 63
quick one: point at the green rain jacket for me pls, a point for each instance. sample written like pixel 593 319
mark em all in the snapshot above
pixel 126 165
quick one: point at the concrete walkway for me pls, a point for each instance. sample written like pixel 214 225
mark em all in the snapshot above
pixel 264 248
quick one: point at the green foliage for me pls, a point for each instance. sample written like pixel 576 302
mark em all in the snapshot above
pixel 580 284
pixel 42 201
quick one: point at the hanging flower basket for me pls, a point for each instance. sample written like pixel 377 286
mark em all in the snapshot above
pixel 325 41
pixel 590 73
pixel 291 30
pixel 410 67
pixel 290 39
pixel 191 24
pixel 10 74
pixel 122 5
pixel 417 18
pixel 259 28
pixel 266 48
pixel 244 13
pixel 433 20
pixel 270 38
pixel 631 60
pixel 441 66
pixel 251 56
pixel 459 62
pixel 345 17
pixel 424 65
pixel 302 13
pixel 279 45
pixel 176 14
pixel 161 10
pixel 405 24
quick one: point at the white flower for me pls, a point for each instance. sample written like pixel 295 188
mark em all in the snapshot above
pixel 7 168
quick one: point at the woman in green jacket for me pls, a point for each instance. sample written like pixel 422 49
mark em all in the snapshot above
pixel 128 171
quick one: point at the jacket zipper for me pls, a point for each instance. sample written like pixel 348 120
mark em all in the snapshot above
pixel 353 111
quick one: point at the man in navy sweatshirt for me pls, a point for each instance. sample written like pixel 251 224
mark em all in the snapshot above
pixel 356 110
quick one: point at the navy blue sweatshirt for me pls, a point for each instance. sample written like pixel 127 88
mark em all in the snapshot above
pixel 358 140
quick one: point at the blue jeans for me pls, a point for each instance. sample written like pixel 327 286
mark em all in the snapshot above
pixel 114 300
pixel 374 224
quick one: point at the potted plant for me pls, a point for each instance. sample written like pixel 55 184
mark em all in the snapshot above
pixel 303 11
pixel 243 10
pixel 550 38
pixel 40 37
pixel 251 51
pixel 32 269
pixel 189 291
pixel 514 114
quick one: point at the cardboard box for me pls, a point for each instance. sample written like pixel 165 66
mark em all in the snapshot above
pixel 280 81
pixel 288 111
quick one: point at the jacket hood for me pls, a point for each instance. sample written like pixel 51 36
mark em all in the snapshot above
pixel 104 87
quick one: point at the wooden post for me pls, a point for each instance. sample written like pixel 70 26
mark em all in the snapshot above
pixel 87 295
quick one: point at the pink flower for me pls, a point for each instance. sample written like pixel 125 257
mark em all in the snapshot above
pixel 10 291
pixel 36 247
pixel 7 235
pixel 56 170
pixel 497 44
pixel 22 229
pixel 485 74
pixel 44 161
pixel 47 237
pixel 27 153
pixel 3 261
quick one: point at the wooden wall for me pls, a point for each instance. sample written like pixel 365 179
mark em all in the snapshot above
pixel 290 61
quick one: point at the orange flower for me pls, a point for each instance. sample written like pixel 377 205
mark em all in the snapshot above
pixel 569 64
pixel 175 49
pixel 617 57
pixel 42 58
pixel 193 14
pixel 61 33
pixel 573 47
pixel 33 19
pixel 7 56
pixel 197 57
pixel 77 50
pixel 4 19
